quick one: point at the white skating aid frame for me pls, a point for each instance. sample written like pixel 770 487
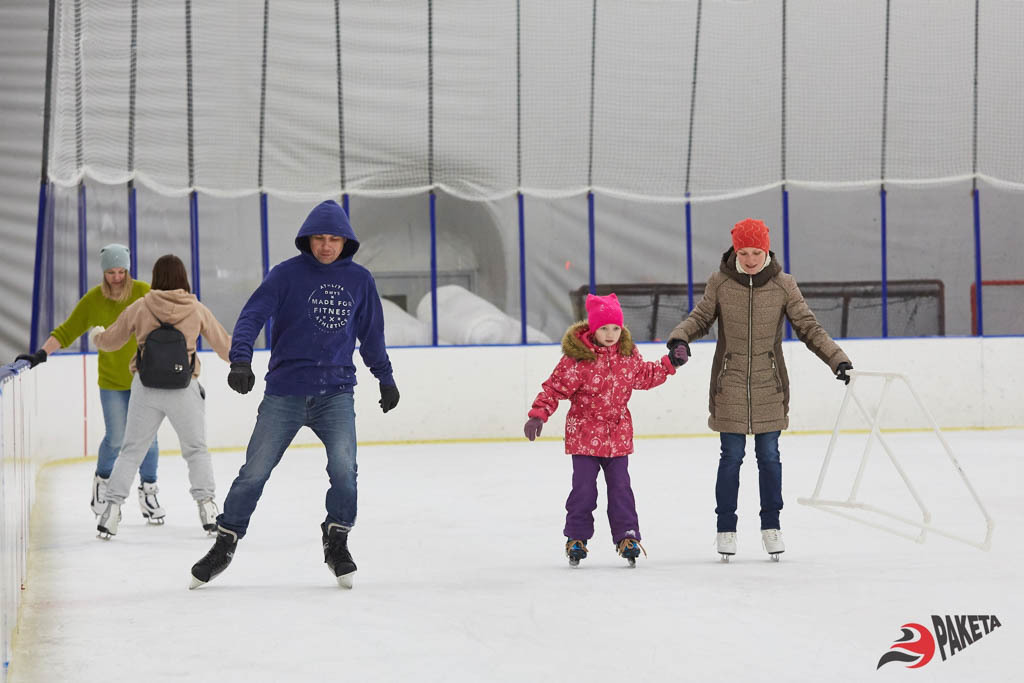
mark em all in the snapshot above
pixel 839 507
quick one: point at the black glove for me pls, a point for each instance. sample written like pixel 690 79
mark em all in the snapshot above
pixel 678 352
pixel 241 378
pixel 33 359
pixel 388 397
pixel 841 372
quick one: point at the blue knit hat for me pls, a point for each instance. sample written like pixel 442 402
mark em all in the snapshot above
pixel 115 256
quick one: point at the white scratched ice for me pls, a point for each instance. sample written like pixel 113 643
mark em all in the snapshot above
pixel 462 574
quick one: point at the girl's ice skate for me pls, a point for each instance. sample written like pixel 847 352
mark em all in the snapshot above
pixel 630 549
pixel 726 544
pixel 575 550
pixel 772 541
pixel 99 495
pixel 106 525
pixel 208 515
pixel 148 503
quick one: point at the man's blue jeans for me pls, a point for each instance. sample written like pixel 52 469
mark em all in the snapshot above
pixel 769 471
pixel 333 419
pixel 115 417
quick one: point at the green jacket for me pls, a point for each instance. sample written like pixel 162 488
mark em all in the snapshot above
pixel 95 309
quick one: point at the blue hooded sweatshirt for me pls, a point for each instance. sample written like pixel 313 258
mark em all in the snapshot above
pixel 319 311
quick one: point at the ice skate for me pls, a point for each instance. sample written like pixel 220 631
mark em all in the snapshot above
pixel 216 560
pixel 336 554
pixel 726 544
pixel 575 550
pixel 149 504
pixel 772 541
pixel 99 495
pixel 106 525
pixel 208 515
pixel 630 549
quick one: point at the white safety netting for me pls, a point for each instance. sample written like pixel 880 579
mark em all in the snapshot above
pixel 482 99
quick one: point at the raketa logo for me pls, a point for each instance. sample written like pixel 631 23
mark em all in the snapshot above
pixel 916 646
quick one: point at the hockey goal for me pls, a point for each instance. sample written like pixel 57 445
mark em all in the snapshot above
pixel 853 503
pixel 916 308
pixel 1002 304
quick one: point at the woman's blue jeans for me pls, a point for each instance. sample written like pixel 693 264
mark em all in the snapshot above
pixel 333 419
pixel 769 471
pixel 115 417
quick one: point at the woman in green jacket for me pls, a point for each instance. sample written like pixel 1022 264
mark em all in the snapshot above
pixel 101 306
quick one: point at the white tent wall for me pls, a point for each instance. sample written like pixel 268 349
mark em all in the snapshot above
pixel 480 100
pixel 22 81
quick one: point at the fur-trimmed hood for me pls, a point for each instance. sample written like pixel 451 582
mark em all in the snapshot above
pixel 578 343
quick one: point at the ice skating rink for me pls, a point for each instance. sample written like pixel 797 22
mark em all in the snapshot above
pixel 462 575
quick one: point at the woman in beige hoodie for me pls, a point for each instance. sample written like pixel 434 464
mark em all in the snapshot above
pixel 169 301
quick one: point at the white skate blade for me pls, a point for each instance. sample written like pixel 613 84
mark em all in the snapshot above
pixel 775 557
pixel 103 535
pixel 345 580
pixel 726 557
pixel 195 583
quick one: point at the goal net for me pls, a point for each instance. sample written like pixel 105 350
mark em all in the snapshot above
pixel 1002 307
pixel 915 308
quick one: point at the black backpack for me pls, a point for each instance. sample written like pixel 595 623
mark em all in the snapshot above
pixel 163 360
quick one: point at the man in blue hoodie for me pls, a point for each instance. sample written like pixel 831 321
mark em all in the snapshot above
pixel 321 303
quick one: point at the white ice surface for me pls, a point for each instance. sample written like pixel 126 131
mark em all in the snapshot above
pixel 462 575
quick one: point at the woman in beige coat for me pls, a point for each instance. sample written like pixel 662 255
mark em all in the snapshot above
pixel 169 301
pixel 750 296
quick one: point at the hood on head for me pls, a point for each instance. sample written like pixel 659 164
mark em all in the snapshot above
pixel 576 342
pixel 328 218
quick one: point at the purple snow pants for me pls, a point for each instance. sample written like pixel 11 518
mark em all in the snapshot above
pixel 582 501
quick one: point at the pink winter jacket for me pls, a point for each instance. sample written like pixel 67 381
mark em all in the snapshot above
pixel 598 382
pixel 175 306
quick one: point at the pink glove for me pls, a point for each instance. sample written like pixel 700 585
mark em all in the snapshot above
pixel 533 427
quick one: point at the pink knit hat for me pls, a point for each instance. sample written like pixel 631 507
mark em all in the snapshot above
pixel 750 232
pixel 603 310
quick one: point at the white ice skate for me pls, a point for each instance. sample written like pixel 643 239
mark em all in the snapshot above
pixel 149 504
pixel 99 495
pixel 106 525
pixel 726 544
pixel 208 515
pixel 772 541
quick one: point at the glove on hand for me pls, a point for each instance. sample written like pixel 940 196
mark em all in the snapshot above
pixel 533 427
pixel 678 352
pixel 388 397
pixel 841 372
pixel 241 378
pixel 93 333
pixel 33 359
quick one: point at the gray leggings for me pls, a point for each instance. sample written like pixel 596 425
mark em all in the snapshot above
pixel 186 410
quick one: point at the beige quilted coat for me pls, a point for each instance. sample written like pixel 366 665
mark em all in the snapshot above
pixel 749 384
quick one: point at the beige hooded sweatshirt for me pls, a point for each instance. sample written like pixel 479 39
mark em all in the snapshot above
pixel 175 306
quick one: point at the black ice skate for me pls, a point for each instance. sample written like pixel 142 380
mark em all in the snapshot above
pixel 216 560
pixel 575 550
pixel 336 554
pixel 630 549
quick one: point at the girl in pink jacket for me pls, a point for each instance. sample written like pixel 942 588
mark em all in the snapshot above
pixel 598 372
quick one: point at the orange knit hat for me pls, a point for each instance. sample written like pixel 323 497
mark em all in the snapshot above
pixel 750 232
